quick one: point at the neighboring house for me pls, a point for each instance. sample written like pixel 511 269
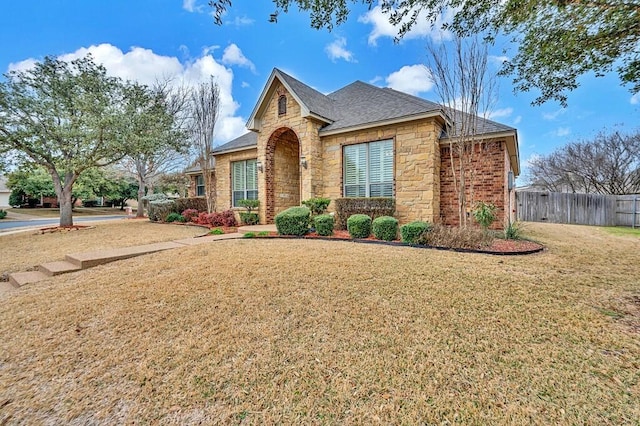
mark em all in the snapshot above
pixel 360 141
pixel 4 192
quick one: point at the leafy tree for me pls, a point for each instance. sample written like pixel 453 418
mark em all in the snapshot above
pixel 65 117
pixel 122 190
pixel 30 184
pixel 607 164
pixel 173 183
pixel 559 40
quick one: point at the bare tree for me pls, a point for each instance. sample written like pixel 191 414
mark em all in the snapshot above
pixel 607 164
pixel 467 93
pixel 162 151
pixel 204 107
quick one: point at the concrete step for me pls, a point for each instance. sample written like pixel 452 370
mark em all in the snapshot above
pixel 6 287
pixel 21 278
pixel 56 268
pixel 88 260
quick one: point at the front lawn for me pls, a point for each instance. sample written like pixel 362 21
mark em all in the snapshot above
pixel 262 331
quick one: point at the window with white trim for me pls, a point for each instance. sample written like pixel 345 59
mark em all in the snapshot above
pixel 244 181
pixel 368 169
pixel 200 186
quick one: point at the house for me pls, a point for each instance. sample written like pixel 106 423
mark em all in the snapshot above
pixel 4 193
pixel 359 141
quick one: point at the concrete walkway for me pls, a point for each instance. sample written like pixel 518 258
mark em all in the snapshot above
pixel 79 261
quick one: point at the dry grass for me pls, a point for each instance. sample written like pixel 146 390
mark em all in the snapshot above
pixel 318 332
pixel 25 250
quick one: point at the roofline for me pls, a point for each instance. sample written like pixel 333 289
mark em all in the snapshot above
pixel 512 145
pixel 229 151
pixel 403 119
pixel 254 124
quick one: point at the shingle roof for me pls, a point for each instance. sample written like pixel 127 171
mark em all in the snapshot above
pixel 360 103
pixel 485 126
pixel 316 102
pixel 247 140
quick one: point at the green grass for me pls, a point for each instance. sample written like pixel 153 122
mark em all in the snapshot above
pixel 623 231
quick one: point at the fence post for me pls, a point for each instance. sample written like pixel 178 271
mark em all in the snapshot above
pixel 635 212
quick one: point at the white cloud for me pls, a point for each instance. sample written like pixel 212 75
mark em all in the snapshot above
pixel 498 60
pixel 338 50
pixel 500 113
pixel 517 120
pixel 244 85
pixel 635 99
pixel 412 79
pixel 561 132
pixel 232 55
pixel 147 67
pixel 190 6
pixel 421 29
pixel 376 79
pixel 240 21
pixel 550 116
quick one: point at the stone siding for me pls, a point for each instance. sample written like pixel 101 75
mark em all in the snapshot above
pixel 416 166
pixel 223 176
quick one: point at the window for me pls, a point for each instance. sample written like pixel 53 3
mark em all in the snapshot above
pixel 244 181
pixel 199 186
pixel 368 169
pixel 282 105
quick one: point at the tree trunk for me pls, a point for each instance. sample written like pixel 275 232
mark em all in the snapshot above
pixel 64 193
pixel 140 212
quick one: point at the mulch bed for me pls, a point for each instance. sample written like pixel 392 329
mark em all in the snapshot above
pixel 63 229
pixel 498 246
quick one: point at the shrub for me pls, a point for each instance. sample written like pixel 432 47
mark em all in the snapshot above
pixel 372 207
pixel 323 224
pixel 3 214
pixel 225 218
pixel 191 203
pixel 249 204
pixel 359 226
pixel 412 231
pixel 190 215
pixel 444 236
pixel 249 235
pixel 293 221
pixel 175 217
pixel 512 231
pixel 317 205
pixel 89 203
pixel 159 210
pixel 484 214
pixel 263 234
pixel 385 228
pixel 216 231
pixel 249 218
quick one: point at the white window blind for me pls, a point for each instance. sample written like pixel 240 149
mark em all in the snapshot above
pixel 368 169
pixel 244 181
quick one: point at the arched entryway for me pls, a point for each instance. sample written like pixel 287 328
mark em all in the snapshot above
pixel 282 169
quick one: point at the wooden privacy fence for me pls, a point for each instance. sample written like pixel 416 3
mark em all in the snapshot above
pixel 580 209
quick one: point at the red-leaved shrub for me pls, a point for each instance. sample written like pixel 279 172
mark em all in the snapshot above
pixel 225 218
pixel 190 215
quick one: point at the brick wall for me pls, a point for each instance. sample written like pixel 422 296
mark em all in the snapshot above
pixel 490 163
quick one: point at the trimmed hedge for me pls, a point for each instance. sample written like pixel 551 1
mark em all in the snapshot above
pixel 293 221
pixel 317 205
pixel 191 203
pixel 324 224
pixel 385 228
pixel 412 231
pixel 372 207
pixel 249 218
pixel 160 209
pixel 359 226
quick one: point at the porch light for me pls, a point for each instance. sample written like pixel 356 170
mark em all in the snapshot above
pixel 303 161
pixel 259 166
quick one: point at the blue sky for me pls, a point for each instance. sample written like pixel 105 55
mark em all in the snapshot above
pixel 146 40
